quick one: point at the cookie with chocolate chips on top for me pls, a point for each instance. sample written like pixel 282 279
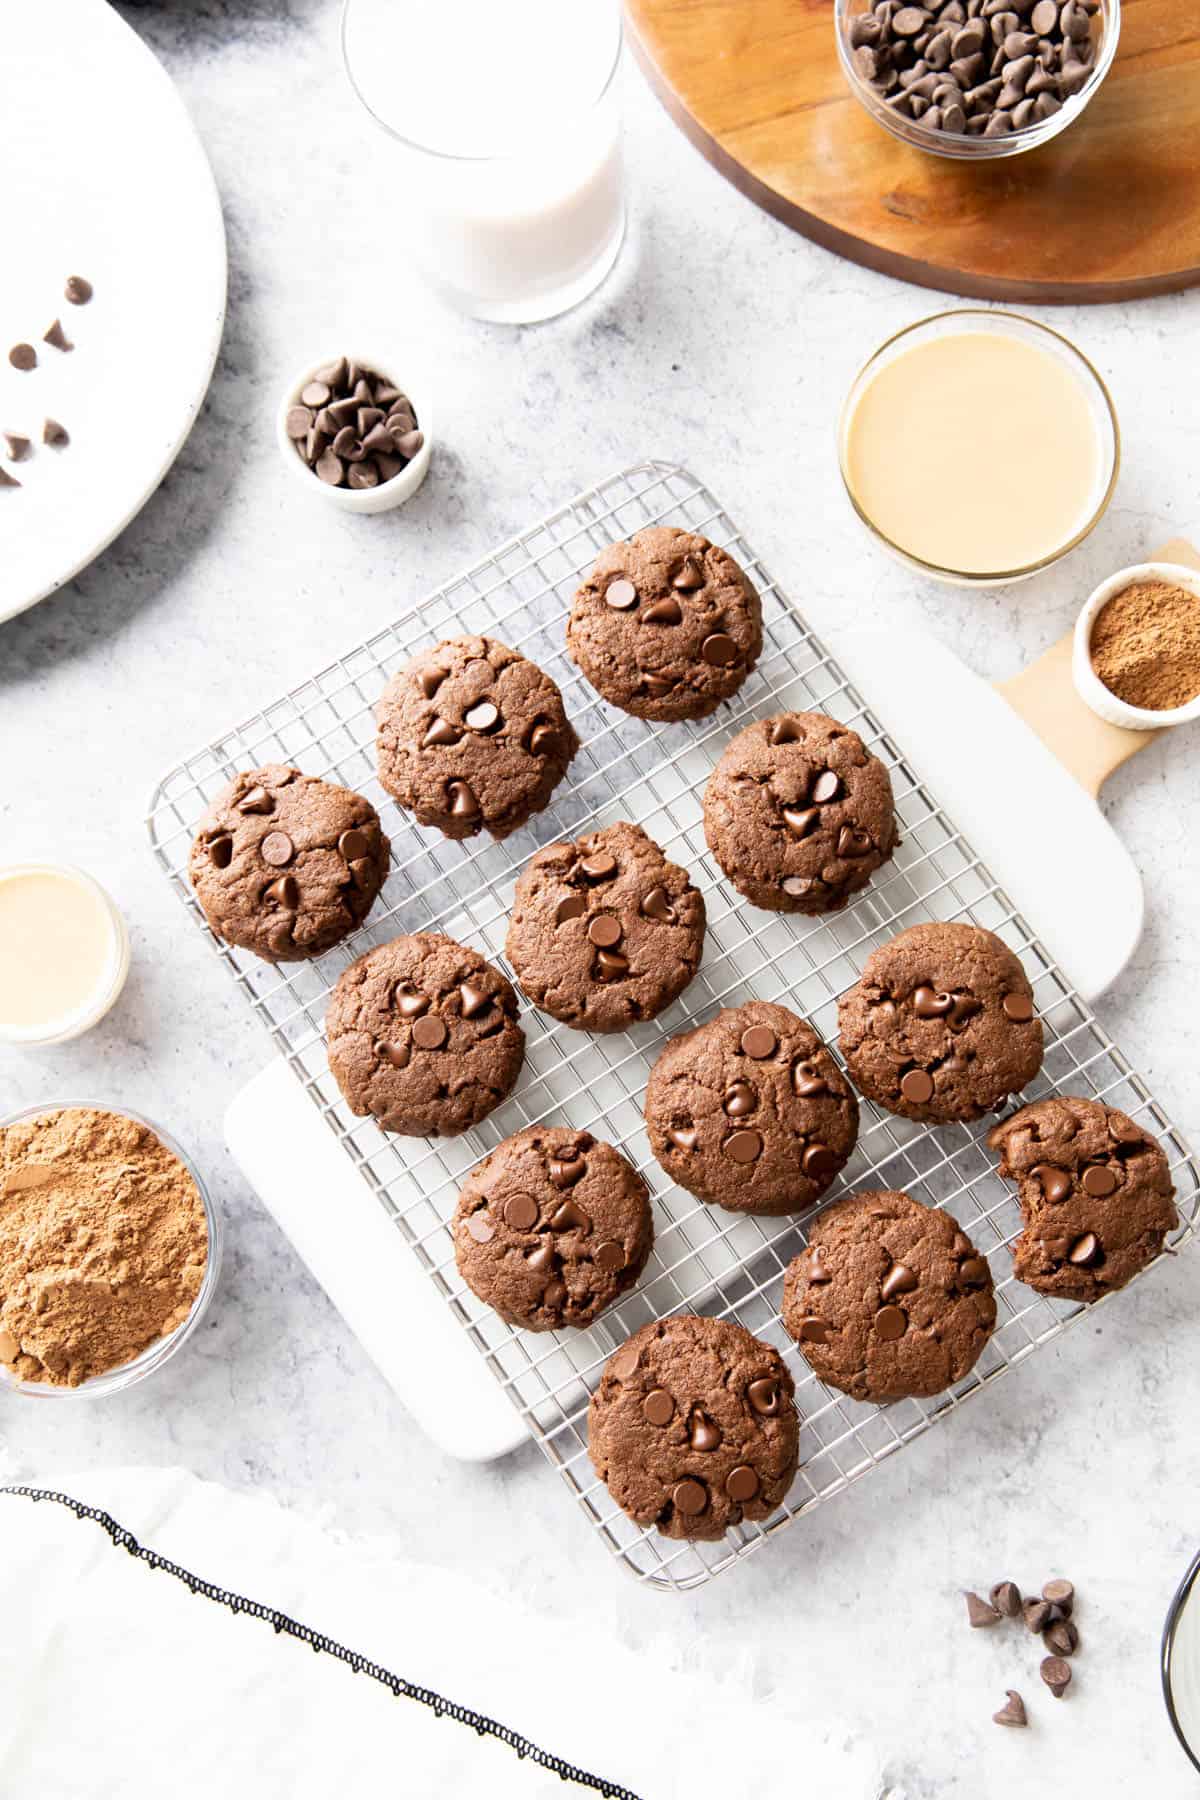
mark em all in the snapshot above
pixel 286 865
pixel 1095 1191
pixel 605 932
pixel 422 1035
pixel 551 1228
pixel 941 1024
pixel 693 1427
pixel 750 1112
pixel 666 626
pixel 799 814
pixel 890 1299
pixel 472 737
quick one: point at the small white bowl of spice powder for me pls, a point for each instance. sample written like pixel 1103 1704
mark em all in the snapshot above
pixel 1137 647
pixel 109 1249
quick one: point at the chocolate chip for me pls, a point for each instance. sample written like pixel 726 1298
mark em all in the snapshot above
pixel 483 717
pixel 410 444
pixel 543 740
pixel 220 852
pixel 853 842
pixel 285 892
pixel 315 393
pixel 1037 1615
pixel 663 612
pixel 900 1279
pixel 930 1005
pixel 917 1086
pixel 1055 1183
pixel 604 931
pixel 256 801
pixel 785 731
pixel 55 434
pixel 542 1260
pixel 684 1137
pixel 277 849
pixel 429 1032
pixel 657 686
pixel 23 356
pixel 431 680
pixel 819 1161
pixel 329 468
pixel 765 1397
pixel 411 1006
pixel 1060 1593
pixel 826 787
pixel 610 1256
pixel 599 867
pixel 818 1274
pixel 814 1330
pixel 690 1497
pixel 689 577
pixel 78 291
pixel 621 595
pixel 658 1407
pixel 573 907
pixel 521 1211
pixel 719 650
pixel 57 337
pixel 1098 1181
pixel 441 731
pixel 806 1084
pixel 741 1483
pixel 463 804
pixel 569 1216
pixel 566 1170
pixel 800 820
pixel 1013 1710
pixel 759 1042
pixel 1124 1131
pixel 475 1000
pixel 363 475
pixel 611 965
pixel 740 1099
pixel 18 447
pixel 891 1323
pixel 974 1272
pixel 980 1613
pixel 657 905
pixel 353 845
pixel 346 445
pixel 1061 1637
pixel 1018 1008
pixel 1055 1671
pixel 378 438
pixel 1006 1598
pixel 480 1229
pixel 625 1363
pixel 743 1146
pixel 706 1434
pixel 399 1056
pixel 555 1294
pixel 334 374
pixel 1086 1251
pixel 796 886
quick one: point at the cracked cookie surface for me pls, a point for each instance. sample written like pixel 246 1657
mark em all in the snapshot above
pixel 693 1427
pixel 799 814
pixel 552 1227
pixel 890 1298
pixel 286 865
pixel 605 932
pixel 749 1111
pixel 1095 1191
pixel 666 626
pixel 422 1034
pixel 941 1024
pixel 472 737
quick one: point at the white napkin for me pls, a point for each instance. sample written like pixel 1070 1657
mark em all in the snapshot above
pixel 119 1681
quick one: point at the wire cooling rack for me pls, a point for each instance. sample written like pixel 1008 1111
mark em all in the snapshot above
pixel 704 1260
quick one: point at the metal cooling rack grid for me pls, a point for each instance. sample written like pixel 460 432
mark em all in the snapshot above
pixel 703 1260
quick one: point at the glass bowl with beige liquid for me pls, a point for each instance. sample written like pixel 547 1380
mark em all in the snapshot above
pixel 979 446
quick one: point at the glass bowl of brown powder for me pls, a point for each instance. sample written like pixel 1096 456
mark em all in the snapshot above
pixel 110 1249
pixel 1136 658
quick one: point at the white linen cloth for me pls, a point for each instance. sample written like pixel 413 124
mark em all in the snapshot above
pixel 119 1681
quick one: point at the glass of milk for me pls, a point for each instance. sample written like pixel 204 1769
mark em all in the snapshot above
pixel 504 125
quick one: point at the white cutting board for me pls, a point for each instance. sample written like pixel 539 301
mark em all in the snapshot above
pixel 104 177
pixel 1017 766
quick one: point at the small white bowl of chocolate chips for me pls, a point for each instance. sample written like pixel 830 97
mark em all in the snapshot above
pixel 349 429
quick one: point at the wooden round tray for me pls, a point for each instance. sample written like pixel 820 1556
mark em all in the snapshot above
pixel 1110 210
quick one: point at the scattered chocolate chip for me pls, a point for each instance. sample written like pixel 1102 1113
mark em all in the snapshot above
pixel 917 1086
pixel 927 1004
pixel 796 885
pixel 441 731
pixel 1098 1181
pixel 806 1084
pixel 57 337
pixel 658 1407
pixel 256 801
pixel 743 1146
pixel 891 1323
pixel 625 1362
pixel 569 1216
pixel 543 740
pixel 480 1229
pixel 1056 1673
pixel 542 1260
pixel 220 852
pixel 1055 1183
pixel 900 1279
pixel 764 1396
pixel 463 804
pixel 621 595
pixel 819 1161
pixel 690 1497
pixel 566 1170
pixel 474 1000
pixel 657 905
pixel 604 931
pixel 18 447
pixel 429 1032
pixel 818 1274
pixel 1086 1251
pixel 1061 1637
pixel 78 291
pixel 573 907
pixel 1060 1593
pixel 740 1099
pixel 411 1006
pixel 285 892
pixel 610 1256
pixel 663 612
pixel 684 1137
pixel 719 650
pixel 689 577
pixel 800 820
pixel 1013 1710
pixel 826 787
pixel 814 1330
pixel 980 1612
pixel 521 1211
pixel 853 842
pixel 1018 1008
pixel 55 434
pixel 706 1434
pixel 785 731
pixel 758 1042
pixel 611 965
pixel 431 680
pixel 1037 1615
pixel 277 849
pixel 974 1272
pixel 483 717
pixel 599 867
pixel 23 356
pixel 1006 1598
pixel 741 1483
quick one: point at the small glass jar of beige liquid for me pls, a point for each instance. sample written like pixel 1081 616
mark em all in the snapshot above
pixel 64 953
pixel 979 446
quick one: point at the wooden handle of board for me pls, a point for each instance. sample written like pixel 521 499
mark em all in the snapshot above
pixel 1045 696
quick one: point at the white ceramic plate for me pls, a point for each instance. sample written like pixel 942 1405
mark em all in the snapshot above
pixel 104 177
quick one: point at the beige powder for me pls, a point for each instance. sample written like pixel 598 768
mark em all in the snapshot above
pixel 103 1244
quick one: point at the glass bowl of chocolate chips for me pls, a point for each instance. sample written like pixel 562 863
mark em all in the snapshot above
pixel 976 78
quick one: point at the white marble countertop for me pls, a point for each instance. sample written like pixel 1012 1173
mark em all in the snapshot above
pixel 723 341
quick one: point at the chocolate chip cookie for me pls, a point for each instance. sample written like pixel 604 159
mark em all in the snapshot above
pixel 889 1299
pixel 750 1111
pixel 605 932
pixel 285 864
pixel 422 1034
pixel 941 1024
pixel 693 1427
pixel 666 626
pixel 1095 1193
pixel 472 737
pixel 799 814
pixel 551 1228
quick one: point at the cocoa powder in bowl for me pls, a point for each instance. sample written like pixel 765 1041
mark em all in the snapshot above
pixel 103 1244
pixel 1145 645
